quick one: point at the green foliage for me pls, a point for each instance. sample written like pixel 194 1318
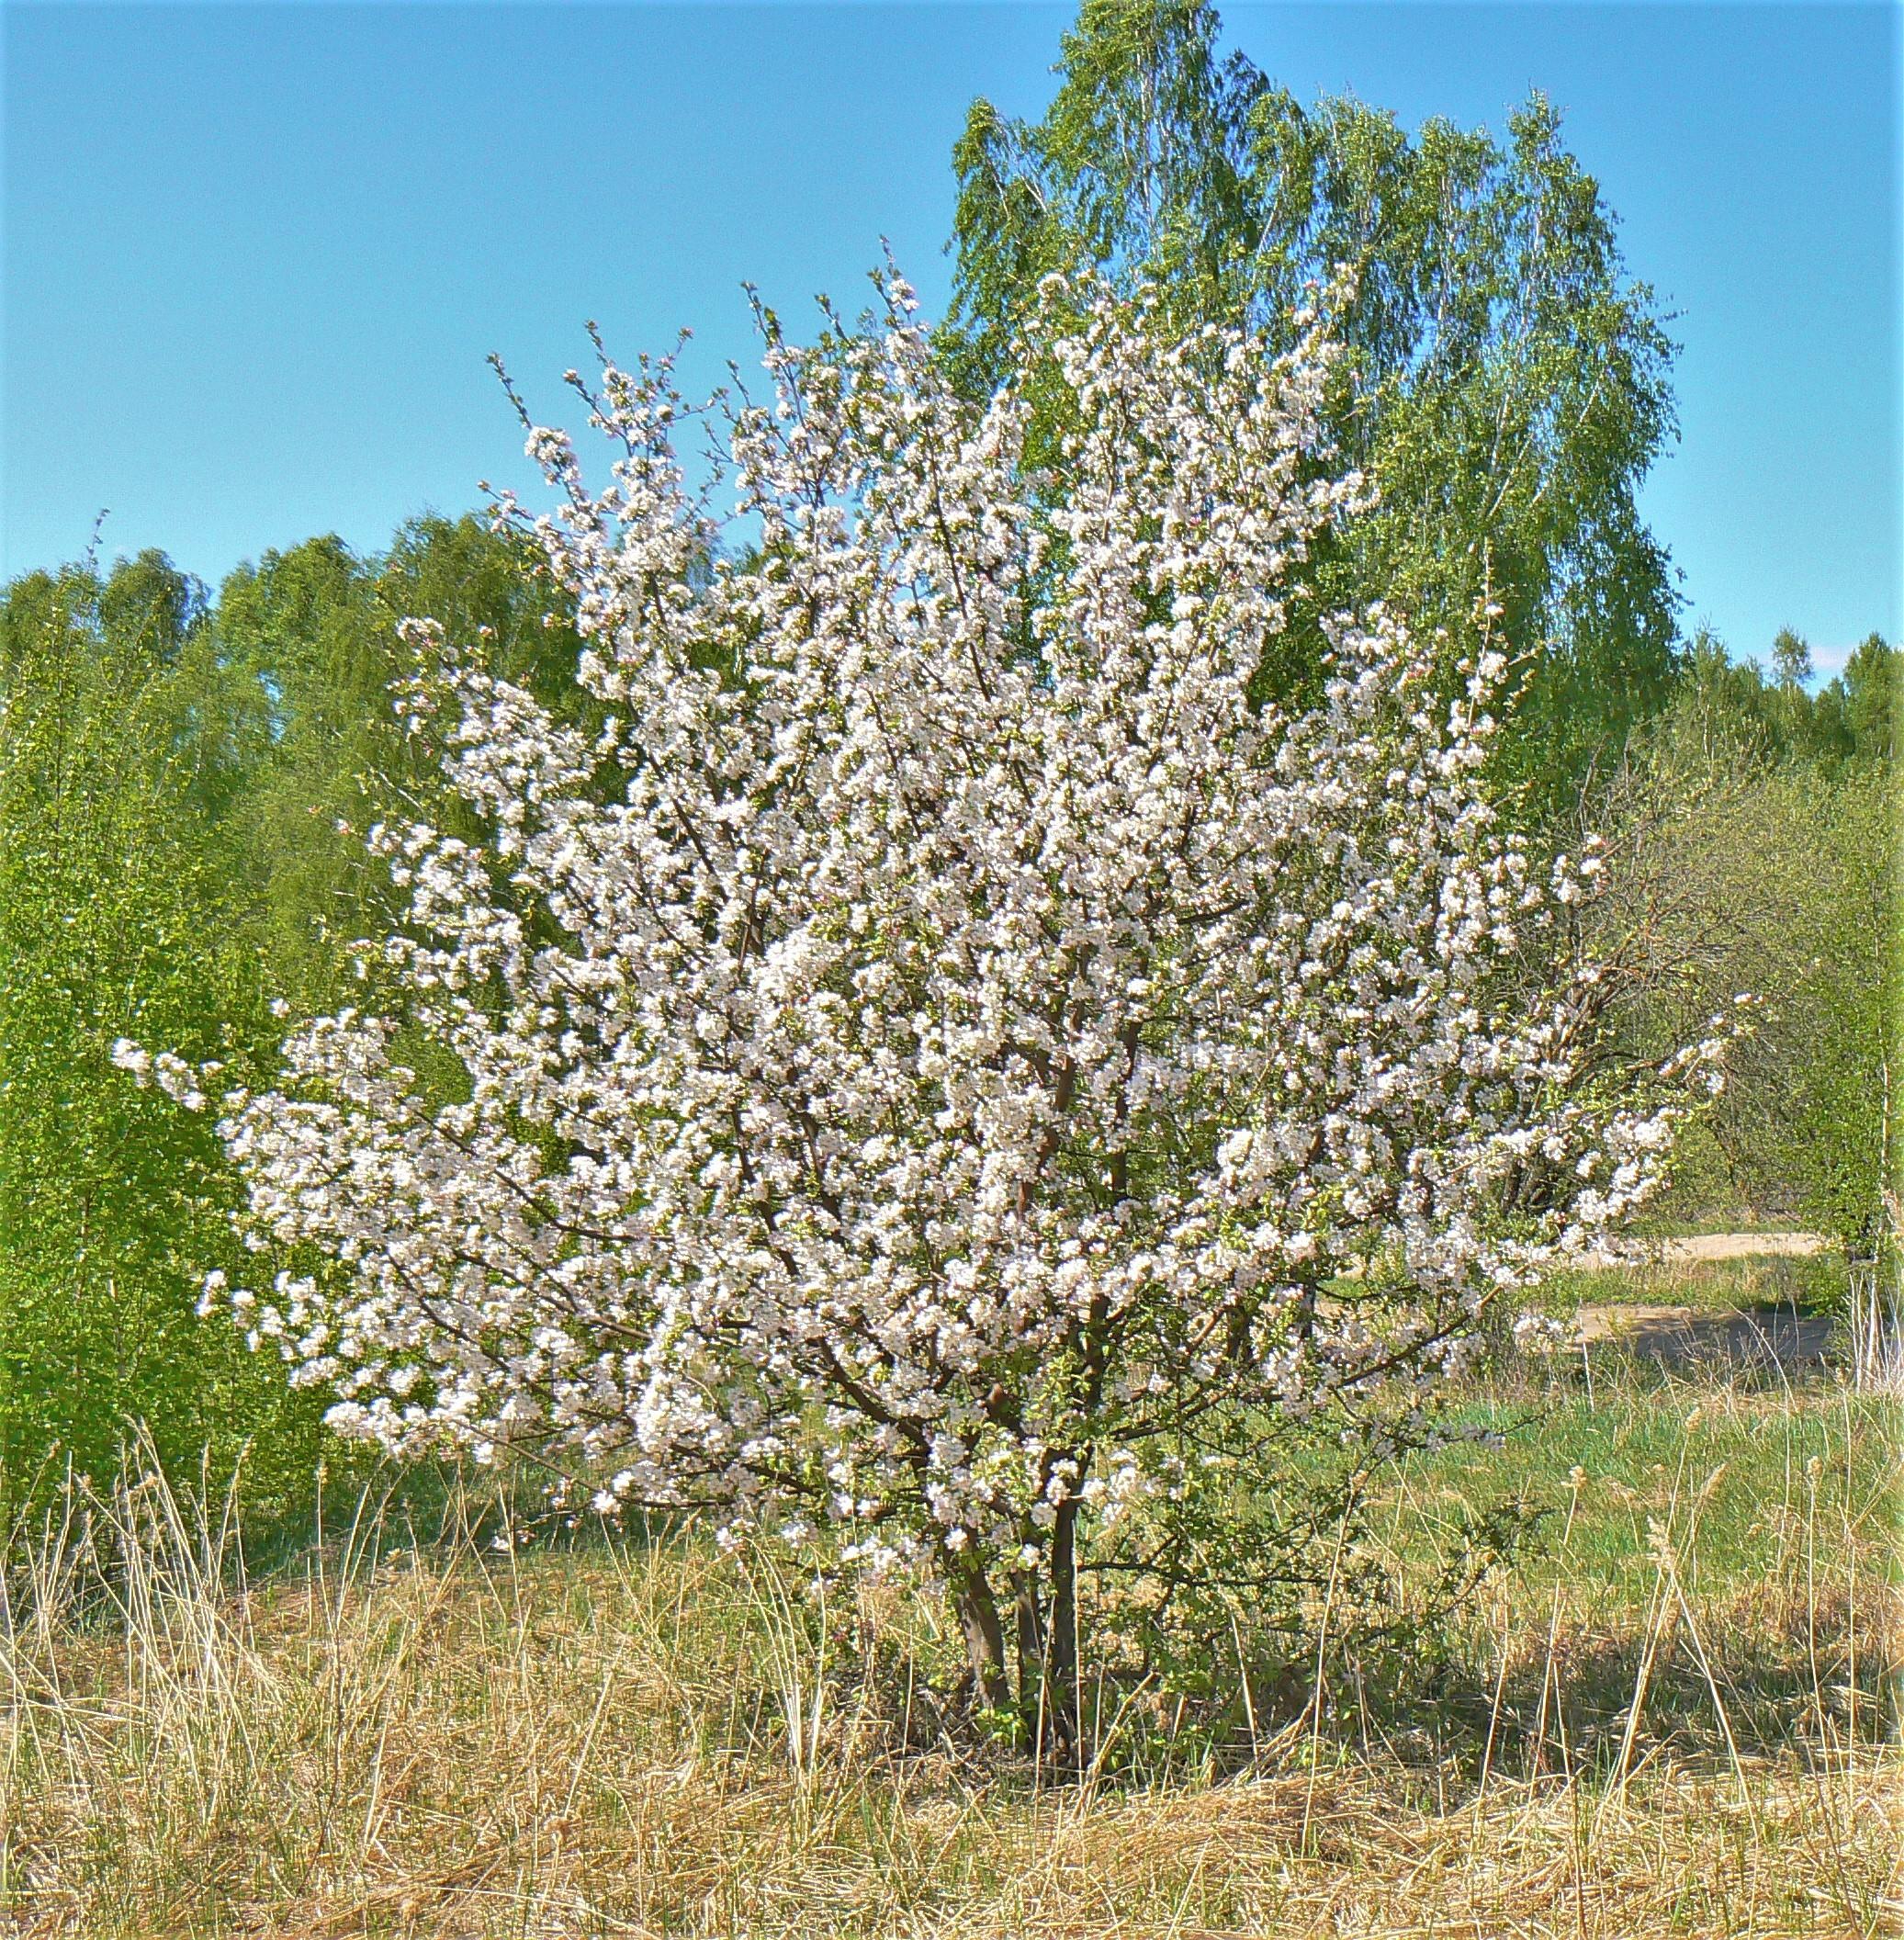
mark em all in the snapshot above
pixel 311 636
pixel 183 790
pixel 1722 704
pixel 1792 659
pixel 1506 383
pixel 123 913
pixel 1760 833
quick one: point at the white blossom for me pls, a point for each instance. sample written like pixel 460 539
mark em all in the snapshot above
pixel 941 1021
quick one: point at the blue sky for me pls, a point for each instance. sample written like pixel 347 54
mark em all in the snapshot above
pixel 255 255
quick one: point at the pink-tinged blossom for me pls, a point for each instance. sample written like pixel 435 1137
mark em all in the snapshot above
pixel 935 1026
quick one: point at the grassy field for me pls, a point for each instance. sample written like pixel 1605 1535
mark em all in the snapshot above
pixel 1672 1715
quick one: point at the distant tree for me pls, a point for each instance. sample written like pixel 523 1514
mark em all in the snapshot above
pixel 147 606
pixel 1791 657
pixel 1718 702
pixel 1722 701
pixel 184 788
pixel 312 633
pixel 1760 828
pixel 1872 698
pixel 1505 384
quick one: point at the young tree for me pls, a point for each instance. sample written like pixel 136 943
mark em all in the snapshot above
pixel 968 1048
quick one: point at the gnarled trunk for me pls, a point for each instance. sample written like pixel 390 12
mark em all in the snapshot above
pixel 1047 1646
pixel 1044 1643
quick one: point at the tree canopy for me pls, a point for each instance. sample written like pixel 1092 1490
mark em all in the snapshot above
pixel 1506 383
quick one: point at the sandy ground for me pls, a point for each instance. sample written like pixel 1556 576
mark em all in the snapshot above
pixel 1714 1246
pixel 1685 1336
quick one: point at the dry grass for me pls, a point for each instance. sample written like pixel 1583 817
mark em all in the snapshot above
pixel 458 1739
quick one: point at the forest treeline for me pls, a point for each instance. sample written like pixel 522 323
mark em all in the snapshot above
pixel 186 775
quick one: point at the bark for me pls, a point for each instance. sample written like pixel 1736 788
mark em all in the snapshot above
pixel 1045 1640
pixel 1047 1647
pixel 1061 1640
pixel 1030 1623
pixel 985 1635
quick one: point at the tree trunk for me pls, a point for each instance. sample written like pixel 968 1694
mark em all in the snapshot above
pixel 1046 1644
pixel 985 1635
pixel 1047 1647
pixel 1030 1624
pixel 1061 1640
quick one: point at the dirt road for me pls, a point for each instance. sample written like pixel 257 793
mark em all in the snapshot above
pixel 1714 1246
pixel 1684 1335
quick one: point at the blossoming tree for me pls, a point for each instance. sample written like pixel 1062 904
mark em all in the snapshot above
pixel 936 1042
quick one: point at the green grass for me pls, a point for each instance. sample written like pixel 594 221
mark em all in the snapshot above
pixel 1737 1466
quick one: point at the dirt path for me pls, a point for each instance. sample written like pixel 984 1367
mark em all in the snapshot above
pixel 1684 1335
pixel 1714 1246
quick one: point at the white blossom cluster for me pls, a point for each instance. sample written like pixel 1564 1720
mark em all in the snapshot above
pixel 939 1030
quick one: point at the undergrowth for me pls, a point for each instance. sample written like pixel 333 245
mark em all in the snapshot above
pixel 1670 1712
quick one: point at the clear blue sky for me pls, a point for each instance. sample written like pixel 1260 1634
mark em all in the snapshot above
pixel 255 255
